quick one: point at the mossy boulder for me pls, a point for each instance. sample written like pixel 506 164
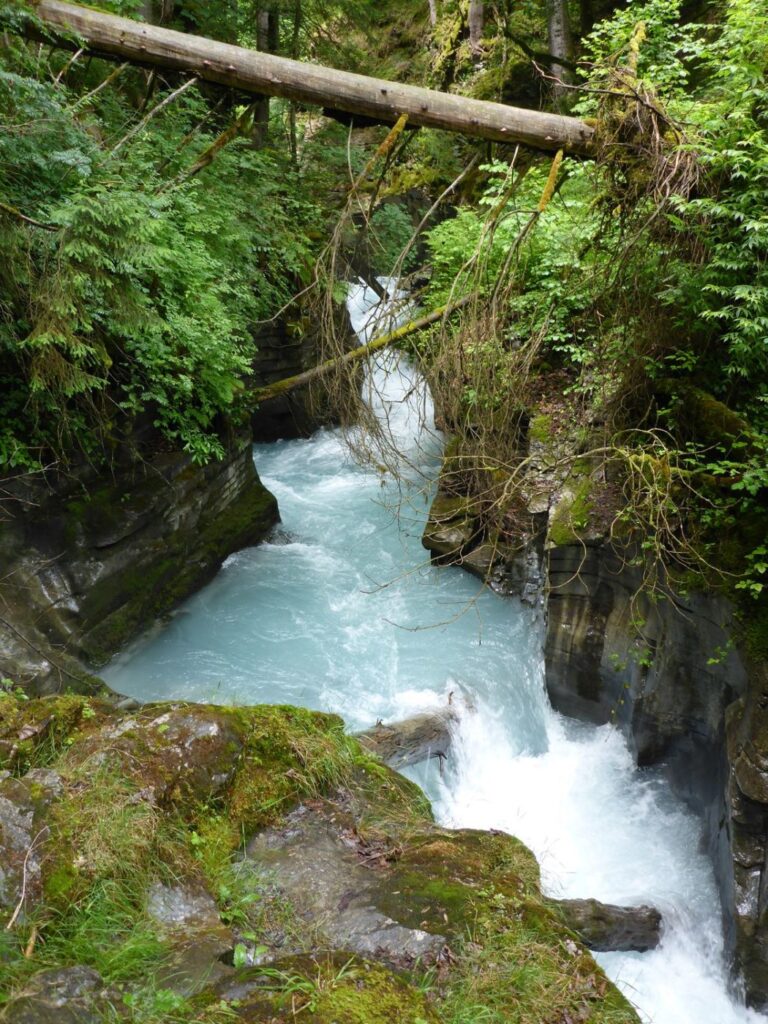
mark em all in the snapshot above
pixel 347 891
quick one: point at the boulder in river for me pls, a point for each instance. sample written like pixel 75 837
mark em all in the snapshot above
pixel 604 927
pixel 411 740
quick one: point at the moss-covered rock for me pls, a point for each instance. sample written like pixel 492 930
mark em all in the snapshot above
pixel 143 880
pixel 330 989
pixel 33 733
pixel 452 528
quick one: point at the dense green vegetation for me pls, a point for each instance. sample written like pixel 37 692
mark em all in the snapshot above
pixel 131 283
pixel 617 324
pixel 642 279
pixel 149 223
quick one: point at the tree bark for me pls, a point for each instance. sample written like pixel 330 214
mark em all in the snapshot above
pixel 476 22
pixel 560 45
pixel 253 72
pixel 433 12
pixel 267 40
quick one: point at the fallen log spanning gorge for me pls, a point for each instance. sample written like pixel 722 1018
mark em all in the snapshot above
pixel 255 72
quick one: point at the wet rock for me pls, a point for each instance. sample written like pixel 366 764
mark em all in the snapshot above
pixel 668 685
pixel 188 918
pixel 747 802
pixel 315 860
pixel 283 351
pixel 507 559
pixel 415 739
pixel 24 804
pixel 451 529
pixel 179 753
pixel 346 897
pixel 89 562
pixel 73 995
pixel 604 927
pixel 179 907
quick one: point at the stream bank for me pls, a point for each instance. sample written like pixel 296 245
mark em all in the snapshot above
pixel 346 893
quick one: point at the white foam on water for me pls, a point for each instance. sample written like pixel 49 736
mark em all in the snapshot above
pixel 332 615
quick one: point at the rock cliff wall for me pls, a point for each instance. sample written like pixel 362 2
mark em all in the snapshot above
pixel 285 350
pixel 89 562
pixel 281 354
pixel 666 671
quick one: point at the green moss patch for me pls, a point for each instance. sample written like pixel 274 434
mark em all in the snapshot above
pixel 35 733
pixel 571 517
pixel 541 429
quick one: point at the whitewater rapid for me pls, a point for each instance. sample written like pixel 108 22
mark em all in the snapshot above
pixel 341 611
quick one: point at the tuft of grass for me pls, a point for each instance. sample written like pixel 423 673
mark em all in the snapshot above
pixel 515 971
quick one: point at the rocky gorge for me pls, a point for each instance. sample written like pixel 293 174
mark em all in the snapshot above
pixel 332 832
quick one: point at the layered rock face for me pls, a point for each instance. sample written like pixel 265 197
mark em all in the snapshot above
pixel 747 816
pixel 285 350
pixel 88 563
pixel 668 673
pixel 281 354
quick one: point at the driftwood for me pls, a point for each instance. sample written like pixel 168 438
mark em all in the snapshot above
pixel 254 72
pixel 282 387
pixel 604 927
pixel 415 739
